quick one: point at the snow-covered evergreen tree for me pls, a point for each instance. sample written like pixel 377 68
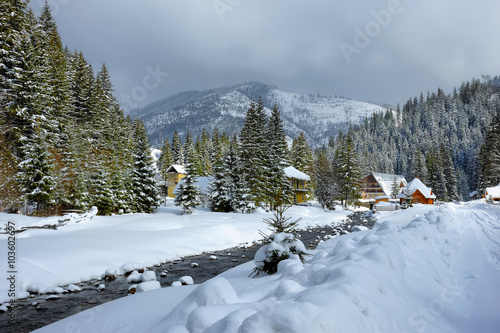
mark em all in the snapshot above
pixel 35 178
pixel 326 189
pixel 166 159
pixel 436 176
pixel 222 190
pixel 419 167
pixel 177 153
pixel 490 155
pixel 144 185
pixel 253 150
pixel 278 187
pixel 347 172
pixel 188 192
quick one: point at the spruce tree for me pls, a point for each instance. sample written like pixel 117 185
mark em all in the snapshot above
pixel 188 193
pixel 253 152
pixel 278 187
pixel 166 159
pixel 436 176
pixel 177 153
pixel 419 167
pixel 35 179
pixel 490 155
pixel 326 189
pixel 347 172
pixel 222 190
pixel 144 185
pixel 450 175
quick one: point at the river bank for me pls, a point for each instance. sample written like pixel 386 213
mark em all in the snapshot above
pixel 40 310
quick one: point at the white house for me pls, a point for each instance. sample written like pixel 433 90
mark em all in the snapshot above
pixel 493 193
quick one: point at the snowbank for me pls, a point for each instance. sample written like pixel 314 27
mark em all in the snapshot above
pixel 424 269
pixel 77 252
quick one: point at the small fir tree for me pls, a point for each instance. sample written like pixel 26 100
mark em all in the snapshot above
pixel 188 193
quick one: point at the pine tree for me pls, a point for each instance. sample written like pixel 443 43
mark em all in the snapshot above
pixel 188 193
pixel 347 172
pixel 436 176
pixel 450 175
pixel 222 190
pixel 242 199
pixel 326 187
pixel 144 185
pixel 177 153
pixel 395 188
pixel 419 167
pixel 166 159
pixel 35 178
pixel 13 31
pixel 278 187
pixel 301 154
pixel 252 150
pixel 302 159
pixel 490 155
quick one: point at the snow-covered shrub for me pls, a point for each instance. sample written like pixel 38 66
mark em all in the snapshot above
pixel 279 247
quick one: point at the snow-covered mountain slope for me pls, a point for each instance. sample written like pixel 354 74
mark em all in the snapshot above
pixel 224 108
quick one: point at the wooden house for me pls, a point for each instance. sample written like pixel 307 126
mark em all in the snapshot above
pixel 299 181
pixel 378 186
pixel 493 193
pixel 174 174
pixel 420 193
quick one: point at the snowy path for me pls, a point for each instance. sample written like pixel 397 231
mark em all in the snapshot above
pixel 478 274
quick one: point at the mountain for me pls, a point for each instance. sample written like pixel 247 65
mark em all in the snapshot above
pixel 319 117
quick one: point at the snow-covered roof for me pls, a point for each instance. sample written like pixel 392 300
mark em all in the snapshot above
pixel 414 185
pixel 493 191
pixel 291 172
pixel 385 180
pixel 177 168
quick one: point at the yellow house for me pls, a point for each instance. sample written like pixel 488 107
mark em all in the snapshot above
pixel 174 174
pixel 299 181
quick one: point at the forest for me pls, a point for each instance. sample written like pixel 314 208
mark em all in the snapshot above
pixel 66 145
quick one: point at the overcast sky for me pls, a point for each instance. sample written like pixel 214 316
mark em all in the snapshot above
pixel 370 50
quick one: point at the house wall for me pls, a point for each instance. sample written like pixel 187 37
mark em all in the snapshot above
pixel 371 187
pixel 172 181
pixel 299 190
pixel 420 198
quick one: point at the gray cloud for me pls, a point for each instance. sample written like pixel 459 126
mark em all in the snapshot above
pixel 293 44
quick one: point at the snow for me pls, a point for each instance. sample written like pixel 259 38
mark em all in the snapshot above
pixel 386 181
pixel 177 169
pixel 494 192
pixel 80 252
pixel 414 185
pixel 424 269
pixel 291 172
pixel 147 286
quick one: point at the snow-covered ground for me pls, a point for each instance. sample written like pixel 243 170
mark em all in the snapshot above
pixel 425 269
pixel 47 258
